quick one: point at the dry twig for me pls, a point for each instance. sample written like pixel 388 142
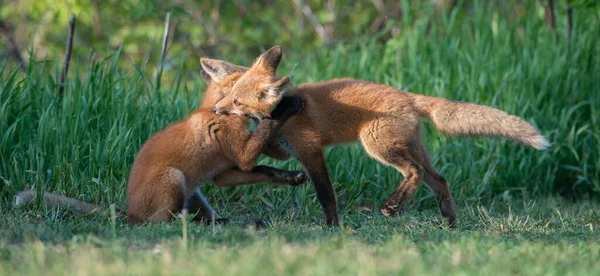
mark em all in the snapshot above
pixel 65 69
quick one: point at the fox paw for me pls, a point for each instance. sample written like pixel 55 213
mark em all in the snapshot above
pixel 288 106
pixel 389 210
pixel 291 178
pixel 297 178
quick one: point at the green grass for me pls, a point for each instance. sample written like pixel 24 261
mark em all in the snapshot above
pixel 84 147
pixel 525 237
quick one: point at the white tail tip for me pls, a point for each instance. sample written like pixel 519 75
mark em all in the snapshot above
pixel 540 143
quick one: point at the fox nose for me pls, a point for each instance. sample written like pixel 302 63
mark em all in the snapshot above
pixel 214 108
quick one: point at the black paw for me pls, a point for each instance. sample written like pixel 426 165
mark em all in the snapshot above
pixel 288 106
pixel 297 178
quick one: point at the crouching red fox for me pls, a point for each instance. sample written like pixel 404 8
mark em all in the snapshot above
pixel 200 148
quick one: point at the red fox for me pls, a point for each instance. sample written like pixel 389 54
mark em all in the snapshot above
pixel 202 147
pixel 384 119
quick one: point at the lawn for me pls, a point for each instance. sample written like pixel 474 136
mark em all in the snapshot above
pixel 522 237
pixel 521 211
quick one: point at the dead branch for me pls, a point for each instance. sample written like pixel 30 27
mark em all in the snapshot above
pixel 65 69
pixel 163 52
pixel 331 8
pixel 381 15
pixel 319 29
pixel 551 18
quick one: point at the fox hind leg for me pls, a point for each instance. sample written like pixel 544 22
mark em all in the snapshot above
pixel 438 185
pixel 198 205
pixel 159 201
pixel 397 142
pixel 402 160
pixel 410 158
pixel 389 141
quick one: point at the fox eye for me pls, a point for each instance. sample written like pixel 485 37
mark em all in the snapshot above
pixel 237 103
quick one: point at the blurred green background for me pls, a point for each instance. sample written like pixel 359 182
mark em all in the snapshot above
pixel 241 29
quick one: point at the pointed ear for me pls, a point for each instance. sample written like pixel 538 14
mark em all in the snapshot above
pixel 280 87
pixel 269 61
pixel 205 76
pixel 218 70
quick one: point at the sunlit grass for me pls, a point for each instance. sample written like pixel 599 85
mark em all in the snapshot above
pixel 550 237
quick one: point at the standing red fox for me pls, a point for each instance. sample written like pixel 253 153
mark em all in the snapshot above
pixel 385 120
pixel 202 147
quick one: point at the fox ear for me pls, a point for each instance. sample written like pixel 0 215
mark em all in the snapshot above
pixel 280 87
pixel 218 70
pixel 205 76
pixel 269 61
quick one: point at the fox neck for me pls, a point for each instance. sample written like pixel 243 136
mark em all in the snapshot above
pixel 209 98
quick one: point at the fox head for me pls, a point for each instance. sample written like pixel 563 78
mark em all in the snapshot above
pixel 219 77
pixel 258 91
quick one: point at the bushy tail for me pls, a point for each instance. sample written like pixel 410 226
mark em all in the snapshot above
pixel 53 200
pixel 473 119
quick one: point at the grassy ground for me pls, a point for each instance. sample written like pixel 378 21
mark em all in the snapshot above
pixel 84 146
pixel 524 237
